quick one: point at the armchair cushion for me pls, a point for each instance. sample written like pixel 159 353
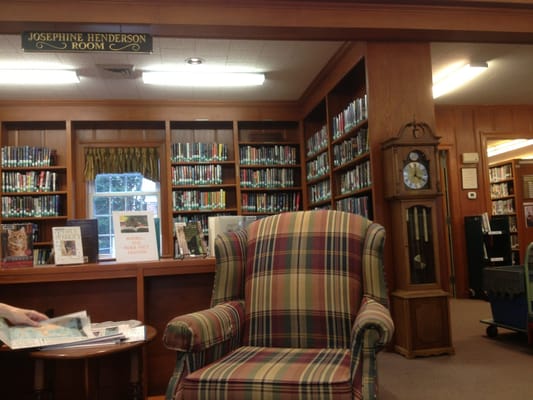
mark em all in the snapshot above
pixel 287 373
pixel 303 279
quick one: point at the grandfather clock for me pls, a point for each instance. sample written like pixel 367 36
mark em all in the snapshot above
pixel 420 308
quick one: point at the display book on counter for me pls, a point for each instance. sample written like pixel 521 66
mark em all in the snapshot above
pixel 189 240
pixel 68 246
pixel 70 330
pixel 16 245
pixel 136 238
pixel 226 223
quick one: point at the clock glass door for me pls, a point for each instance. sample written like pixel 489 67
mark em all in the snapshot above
pixel 420 238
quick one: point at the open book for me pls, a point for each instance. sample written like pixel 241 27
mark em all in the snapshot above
pixel 66 331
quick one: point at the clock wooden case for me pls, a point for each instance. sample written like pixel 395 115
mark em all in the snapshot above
pixel 411 162
pixel 419 305
pixel 412 188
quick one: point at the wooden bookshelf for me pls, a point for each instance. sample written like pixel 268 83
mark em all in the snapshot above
pixel 504 201
pixel 269 167
pixel 35 178
pixel 338 167
pixel 202 163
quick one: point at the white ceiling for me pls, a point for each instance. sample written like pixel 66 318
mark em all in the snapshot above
pixel 289 66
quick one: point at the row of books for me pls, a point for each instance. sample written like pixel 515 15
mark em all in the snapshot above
pixel 354 113
pixel 30 181
pixel 270 202
pixel 31 206
pixel 185 200
pixel 501 189
pixel 267 178
pixel 502 207
pixel 194 152
pixel 356 179
pixel 210 174
pixel 317 142
pixel 318 167
pixel 357 205
pixel 27 156
pixel 268 155
pixel 501 173
pixel 351 148
pixel 42 256
pixel 320 191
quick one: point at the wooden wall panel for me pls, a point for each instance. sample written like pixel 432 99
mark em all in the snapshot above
pixel 166 298
pixel 394 101
pixel 467 129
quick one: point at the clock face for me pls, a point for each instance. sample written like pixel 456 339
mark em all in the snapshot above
pixel 415 173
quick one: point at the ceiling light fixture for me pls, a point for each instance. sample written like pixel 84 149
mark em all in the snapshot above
pixel 194 60
pixel 38 76
pixel 507 146
pixel 457 78
pixel 203 78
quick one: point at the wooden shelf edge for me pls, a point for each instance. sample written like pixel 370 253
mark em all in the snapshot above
pixel 106 270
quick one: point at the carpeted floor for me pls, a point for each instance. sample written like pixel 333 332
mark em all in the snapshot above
pixel 481 368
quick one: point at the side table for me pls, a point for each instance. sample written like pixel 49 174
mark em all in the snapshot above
pixel 91 352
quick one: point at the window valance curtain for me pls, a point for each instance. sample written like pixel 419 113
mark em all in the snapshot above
pixel 117 160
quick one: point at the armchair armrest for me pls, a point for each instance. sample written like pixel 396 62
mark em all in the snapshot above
pixel 373 315
pixel 201 330
pixel 372 330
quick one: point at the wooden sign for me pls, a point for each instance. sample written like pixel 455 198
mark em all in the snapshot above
pixel 86 42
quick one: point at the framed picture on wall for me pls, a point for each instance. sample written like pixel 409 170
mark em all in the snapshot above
pixel 469 178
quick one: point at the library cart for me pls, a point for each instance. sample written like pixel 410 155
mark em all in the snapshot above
pixel 510 292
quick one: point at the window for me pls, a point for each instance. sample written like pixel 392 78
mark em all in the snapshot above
pixel 119 192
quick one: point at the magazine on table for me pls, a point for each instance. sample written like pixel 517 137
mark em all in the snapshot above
pixel 68 330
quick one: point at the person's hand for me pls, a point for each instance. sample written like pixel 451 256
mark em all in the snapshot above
pixel 21 316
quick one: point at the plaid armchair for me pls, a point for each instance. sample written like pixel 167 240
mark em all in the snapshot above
pixel 299 311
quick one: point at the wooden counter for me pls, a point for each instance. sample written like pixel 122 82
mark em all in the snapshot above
pixel 153 292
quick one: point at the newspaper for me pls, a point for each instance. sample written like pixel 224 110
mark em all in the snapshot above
pixel 67 331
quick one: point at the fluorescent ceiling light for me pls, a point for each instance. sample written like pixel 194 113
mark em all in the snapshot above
pixel 508 146
pixel 457 78
pixel 203 78
pixel 38 76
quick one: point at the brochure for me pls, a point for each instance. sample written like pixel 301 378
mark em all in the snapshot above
pixel 135 236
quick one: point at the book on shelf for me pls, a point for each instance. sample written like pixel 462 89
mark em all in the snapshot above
pixel 89 238
pixel 190 239
pixel 68 246
pixel 135 236
pixel 16 245
pixel 69 330
pixel 226 223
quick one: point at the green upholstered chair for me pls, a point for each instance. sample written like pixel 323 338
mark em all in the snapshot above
pixel 299 311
